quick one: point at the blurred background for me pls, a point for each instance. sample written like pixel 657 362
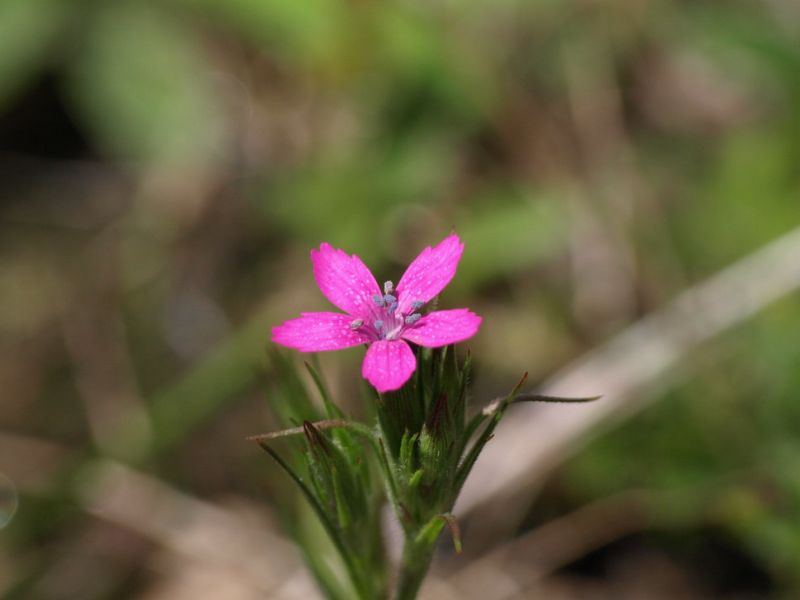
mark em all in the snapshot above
pixel 624 174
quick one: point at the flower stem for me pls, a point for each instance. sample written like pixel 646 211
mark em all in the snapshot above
pixel 416 561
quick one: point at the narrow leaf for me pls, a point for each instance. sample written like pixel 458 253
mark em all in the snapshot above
pixel 312 500
pixel 485 436
pixel 333 411
pixel 430 531
pixel 389 478
pixel 455 530
pixel 414 480
pixel 543 398
pixel 327 424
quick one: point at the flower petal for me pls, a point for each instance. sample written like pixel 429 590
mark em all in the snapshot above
pixel 319 331
pixel 443 327
pixel 429 273
pixel 345 280
pixel 388 364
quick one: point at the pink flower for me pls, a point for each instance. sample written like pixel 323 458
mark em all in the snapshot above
pixel 386 320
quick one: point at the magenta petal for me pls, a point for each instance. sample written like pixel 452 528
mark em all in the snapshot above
pixel 344 280
pixel 443 327
pixel 318 331
pixel 430 272
pixel 388 364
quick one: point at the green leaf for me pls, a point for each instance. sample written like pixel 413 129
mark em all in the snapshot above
pixel 27 31
pixel 293 403
pixel 556 399
pixel 497 413
pixel 473 425
pixel 414 480
pixel 406 456
pixel 332 410
pixel 455 530
pixel 430 531
pixel 330 528
pixel 300 31
pixel 532 227
pixel 339 475
pixel 265 437
pixel 333 532
pixel 141 85
pixel 390 479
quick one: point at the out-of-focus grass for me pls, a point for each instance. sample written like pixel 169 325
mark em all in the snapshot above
pixel 166 166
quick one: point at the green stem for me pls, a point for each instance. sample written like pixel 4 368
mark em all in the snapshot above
pixel 416 561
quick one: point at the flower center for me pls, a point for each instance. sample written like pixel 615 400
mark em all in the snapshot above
pixel 387 321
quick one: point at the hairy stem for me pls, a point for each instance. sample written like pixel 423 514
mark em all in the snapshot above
pixel 416 561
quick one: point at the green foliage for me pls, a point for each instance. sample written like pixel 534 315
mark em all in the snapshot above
pixel 335 472
pixel 28 31
pixel 730 461
pixel 669 131
pixel 140 84
pixel 419 448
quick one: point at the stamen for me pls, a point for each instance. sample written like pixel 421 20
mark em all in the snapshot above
pixel 388 287
pixel 411 319
pixel 389 299
pixel 378 324
pixel 356 324
pixel 417 304
pixel 378 300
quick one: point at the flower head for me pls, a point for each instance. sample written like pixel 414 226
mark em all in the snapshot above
pixel 385 319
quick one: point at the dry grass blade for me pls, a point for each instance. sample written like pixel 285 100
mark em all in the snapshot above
pixel 627 368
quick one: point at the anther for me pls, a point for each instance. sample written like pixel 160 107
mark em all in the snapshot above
pixel 411 319
pixel 388 287
pixel 389 299
pixel 378 324
pixel 378 300
pixel 417 304
pixel 356 324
